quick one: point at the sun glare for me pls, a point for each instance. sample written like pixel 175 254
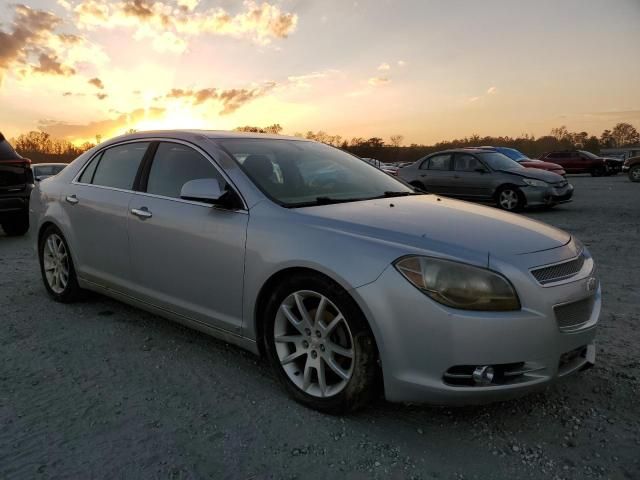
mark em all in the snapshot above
pixel 174 117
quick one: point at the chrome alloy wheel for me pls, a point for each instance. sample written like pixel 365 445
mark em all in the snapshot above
pixel 56 263
pixel 314 343
pixel 508 199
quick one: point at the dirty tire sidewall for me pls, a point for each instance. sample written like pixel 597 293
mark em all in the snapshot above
pixel 363 383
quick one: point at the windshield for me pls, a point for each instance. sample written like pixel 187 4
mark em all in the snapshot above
pixel 498 161
pixel 589 154
pixel 512 153
pixel 298 173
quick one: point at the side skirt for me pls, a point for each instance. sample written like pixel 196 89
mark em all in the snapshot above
pixel 229 337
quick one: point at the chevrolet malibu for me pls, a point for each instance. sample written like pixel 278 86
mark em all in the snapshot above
pixel 345 278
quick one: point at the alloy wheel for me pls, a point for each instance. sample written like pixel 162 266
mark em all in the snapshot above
pixel 635 174
pixel 314 344
pixel 56 263
pixel 508 199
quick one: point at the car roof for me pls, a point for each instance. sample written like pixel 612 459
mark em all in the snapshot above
pixel 211 134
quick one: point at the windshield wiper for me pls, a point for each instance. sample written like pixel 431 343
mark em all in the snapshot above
pixel 400 194
pixel 326 201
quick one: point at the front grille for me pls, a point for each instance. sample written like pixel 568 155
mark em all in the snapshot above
pixel 559 271
pixel 504 374
pixel 572 316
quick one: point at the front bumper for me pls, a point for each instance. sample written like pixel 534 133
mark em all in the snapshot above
pixel 540 196
pixel 421 342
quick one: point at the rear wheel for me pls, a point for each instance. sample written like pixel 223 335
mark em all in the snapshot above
pixel 510 198
pixel 56 266
pixel 634 173
pixel 320 344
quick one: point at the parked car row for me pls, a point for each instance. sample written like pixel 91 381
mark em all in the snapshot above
pixel 485 174
pixel 17 176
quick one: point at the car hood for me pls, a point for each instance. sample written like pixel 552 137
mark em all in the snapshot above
pixel 536 174
pixel 540 164
pixel 431 222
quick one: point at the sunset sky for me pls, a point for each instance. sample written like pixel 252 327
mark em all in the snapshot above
pixel 429 70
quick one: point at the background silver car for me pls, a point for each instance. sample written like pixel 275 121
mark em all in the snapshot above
pixel 340 274
pixel 487 176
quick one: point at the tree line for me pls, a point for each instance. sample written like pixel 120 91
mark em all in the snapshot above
pixel 41 147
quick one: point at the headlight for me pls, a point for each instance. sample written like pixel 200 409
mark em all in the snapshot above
pixel 535 183
pixel 459 285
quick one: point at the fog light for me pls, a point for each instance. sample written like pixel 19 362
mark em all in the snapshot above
pixel 483 375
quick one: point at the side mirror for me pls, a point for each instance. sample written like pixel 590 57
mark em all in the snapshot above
pixel 206 190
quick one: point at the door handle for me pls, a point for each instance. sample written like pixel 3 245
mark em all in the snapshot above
pixel 141 212
pixel 72 199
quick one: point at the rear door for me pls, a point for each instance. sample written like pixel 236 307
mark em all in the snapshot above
pixel 187 256
pixel 436 175
pixel 96 203
pixel 471 179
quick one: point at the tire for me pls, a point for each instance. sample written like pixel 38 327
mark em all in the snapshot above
pixel 598 172
pixel 634 173
pixel 326 361
pixel 56 267
pixel 510 198
pixel 16 227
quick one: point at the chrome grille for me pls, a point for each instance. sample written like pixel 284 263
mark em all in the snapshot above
pixel 572 315
pixel 559 271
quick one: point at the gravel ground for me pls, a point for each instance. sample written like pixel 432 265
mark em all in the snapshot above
pixel 102 390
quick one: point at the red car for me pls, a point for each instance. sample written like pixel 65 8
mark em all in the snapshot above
pixel 581 161
pixel 527 162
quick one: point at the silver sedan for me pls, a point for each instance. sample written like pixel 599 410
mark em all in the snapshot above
pixel 344 277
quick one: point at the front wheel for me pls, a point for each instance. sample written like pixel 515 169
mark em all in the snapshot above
pixel 634 173
pixel 320 345
pixel 56 267
pixel 510 199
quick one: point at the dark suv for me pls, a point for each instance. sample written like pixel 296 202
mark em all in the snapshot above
pixel 16 183
pixel 581 161
pixel 632 168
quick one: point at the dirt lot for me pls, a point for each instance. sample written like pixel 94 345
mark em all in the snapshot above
pixel 101 390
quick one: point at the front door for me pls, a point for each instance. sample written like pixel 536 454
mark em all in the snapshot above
pixel 471 179
pixel 186 256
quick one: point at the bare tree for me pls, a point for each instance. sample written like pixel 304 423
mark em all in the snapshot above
pixel 396 140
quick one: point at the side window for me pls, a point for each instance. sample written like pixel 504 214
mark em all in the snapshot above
pixel 118 166
pixel 87 175
pixel 440 162
pixel 174 165
pixel 466 163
